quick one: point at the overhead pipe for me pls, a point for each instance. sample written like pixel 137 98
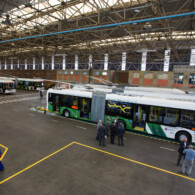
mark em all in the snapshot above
pixel 102 26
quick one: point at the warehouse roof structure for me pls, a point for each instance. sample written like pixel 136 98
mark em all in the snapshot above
pixel 95 26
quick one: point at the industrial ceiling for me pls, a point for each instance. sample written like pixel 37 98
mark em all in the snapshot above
pixel 31 18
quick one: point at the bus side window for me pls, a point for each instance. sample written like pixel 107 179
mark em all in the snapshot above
pixel 74 102
pixel 64 99
pixel 171 117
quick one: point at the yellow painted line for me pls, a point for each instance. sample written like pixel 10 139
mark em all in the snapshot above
pixel 1 182
pixel 115 155
pixel 137 162
pixel 6 149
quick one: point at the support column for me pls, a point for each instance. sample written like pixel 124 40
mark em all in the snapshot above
pixel 25 64
pixel 33 63
pixel 144 59
pixel 52 61
pixel 167 60
pixel 42 63
pixel 124 55
pixel 64 62
pixel 105 61
pixel 192 57
pixel 76 62
pixel 18 64
pixel 5 64
pixel 12 67
pixel 90 61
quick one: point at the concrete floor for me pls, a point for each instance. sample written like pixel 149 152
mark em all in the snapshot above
pixel 31 136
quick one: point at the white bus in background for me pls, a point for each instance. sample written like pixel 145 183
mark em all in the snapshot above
pixel 7 86
pixel 27 83
pixel 158 116
pixel 30 84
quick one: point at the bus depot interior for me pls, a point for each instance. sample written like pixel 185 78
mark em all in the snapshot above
pixel 68 66
pixel 54 137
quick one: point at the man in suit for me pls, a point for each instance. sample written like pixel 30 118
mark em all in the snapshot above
pixel 102 133
pixel 183 145
pixel 121 131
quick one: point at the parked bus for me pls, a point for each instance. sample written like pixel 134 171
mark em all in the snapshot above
pixel 27 83
pixel 7 86
pixel 30 84
pixel 168 118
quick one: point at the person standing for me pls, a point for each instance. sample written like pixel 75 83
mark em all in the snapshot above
pixel 121 131
pixel 183 145
pixel 116 121
pixel 107 125
pixel 113 132
pixel 98 125
pixel 189 160
pixel 102 134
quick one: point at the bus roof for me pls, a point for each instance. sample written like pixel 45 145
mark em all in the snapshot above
pixel 30 80
pixel 136 99
pixel 72 92
pixel 6 81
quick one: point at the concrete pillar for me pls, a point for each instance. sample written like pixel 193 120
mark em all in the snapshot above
pixel 52 62
pixel 25 64
pixel 144 59
pixel 12 66
pixel 33 63
pixel 192 57
pixel 167 60
pixel 76 67
pixel 124 56
pixel 5 64
pixel 42 63
pixel 18 64
pixel 90 61
pixel 105 61
pixel 64 62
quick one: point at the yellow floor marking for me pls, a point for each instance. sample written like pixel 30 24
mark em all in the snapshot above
pixel 137 162
pixel 121 157
pixel 6 149
pixel 1 182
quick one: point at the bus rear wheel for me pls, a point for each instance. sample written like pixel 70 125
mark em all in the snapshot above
pixel 181 135
pixel 66 113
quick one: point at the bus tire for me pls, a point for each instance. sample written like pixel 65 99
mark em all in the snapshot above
pixel 181 135
pixel 66 113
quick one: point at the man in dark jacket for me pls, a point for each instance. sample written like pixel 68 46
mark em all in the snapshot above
pixel 183 145
pixel 102 133
pixel 121 131
pixel 113 132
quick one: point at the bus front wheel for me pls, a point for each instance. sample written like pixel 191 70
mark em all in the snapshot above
pixel 66 113
pixel 181 135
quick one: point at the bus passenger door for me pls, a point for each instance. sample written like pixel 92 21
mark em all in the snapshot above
pixel 56 103
pixel 84 107
pixel 139 117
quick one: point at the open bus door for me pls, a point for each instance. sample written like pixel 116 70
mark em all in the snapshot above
pixel 85 107
pixel 139 117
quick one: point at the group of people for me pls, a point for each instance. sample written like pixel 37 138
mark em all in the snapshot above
pixel 187 153
pixel 112 129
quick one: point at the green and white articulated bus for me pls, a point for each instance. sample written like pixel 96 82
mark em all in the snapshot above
pixel 162 117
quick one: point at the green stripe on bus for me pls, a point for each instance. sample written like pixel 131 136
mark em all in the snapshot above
pixel 156 129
